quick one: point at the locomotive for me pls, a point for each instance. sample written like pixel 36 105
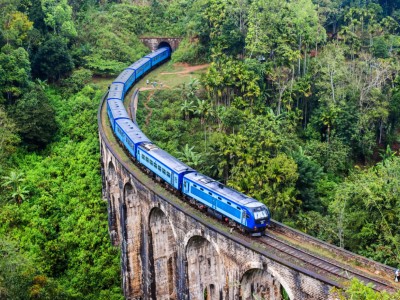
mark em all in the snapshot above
pixel 248 214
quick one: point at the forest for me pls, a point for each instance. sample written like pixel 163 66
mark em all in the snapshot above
pixel 299 108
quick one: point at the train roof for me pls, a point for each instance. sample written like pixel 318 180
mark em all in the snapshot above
pixel 222 189
pixel 115 104
pixel 116 87
pixel 166 158
pixel 139 63
pixel 155 53
pixel 117 109
pixel 132 131
pixel 115 95
pixel 124 76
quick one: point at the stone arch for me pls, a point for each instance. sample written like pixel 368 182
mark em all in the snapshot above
pixel 280 277
pixel 259 284
pixel 164 253
pixel 164 44
pixel 206 272
pixel 131 229
pixel 113 197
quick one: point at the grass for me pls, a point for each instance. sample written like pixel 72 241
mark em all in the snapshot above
pixel 168 76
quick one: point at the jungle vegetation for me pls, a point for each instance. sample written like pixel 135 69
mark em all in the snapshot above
pixel 299 108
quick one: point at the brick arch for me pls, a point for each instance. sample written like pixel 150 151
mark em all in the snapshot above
pixel 113 207
pixel 259 284
pixel 206 272
pixel 164 255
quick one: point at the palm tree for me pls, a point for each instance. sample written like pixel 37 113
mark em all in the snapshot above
pixel 187 108
pixel 203 110
pixel 19 194
pixel 13 183
pixel 193 87
pixel 192 158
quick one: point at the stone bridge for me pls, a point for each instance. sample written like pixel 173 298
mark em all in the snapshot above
pixel 153 43
pixel 172 251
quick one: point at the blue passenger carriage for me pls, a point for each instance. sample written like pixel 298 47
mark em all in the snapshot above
pixel 116 92
pixel 249 213
pixel 127 78
pixel 140 67
pixel 116 111
pixel 164 165
pixel 159 55
pixel 130 135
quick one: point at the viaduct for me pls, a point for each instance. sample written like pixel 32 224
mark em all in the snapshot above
pixel 169 250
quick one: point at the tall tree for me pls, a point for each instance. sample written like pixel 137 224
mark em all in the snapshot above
pixel 14 73
pixel 53 60
pixel 9 138
pixel 35 117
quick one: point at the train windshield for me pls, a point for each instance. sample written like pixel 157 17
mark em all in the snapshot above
pixel 260 213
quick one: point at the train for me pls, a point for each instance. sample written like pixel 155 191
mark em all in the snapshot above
pixel 223 202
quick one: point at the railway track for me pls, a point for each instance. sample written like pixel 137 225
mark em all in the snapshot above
pixel 322 265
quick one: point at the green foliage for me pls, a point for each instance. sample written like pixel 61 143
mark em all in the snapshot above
pixel 16 28
pixel 332 156
pixel 9 138
pixel 366 206
pixel 58 16
pixel 77 81
pixel 53 60
pixel 13 183
pixel 35 118
pixel 62 226
pixel 189 51
pixel 310 174
pixel 14 72
pixel 380 48
pixel 190 157
pixel 269 33
pixel 356 290
pixel 111 40
pixel 227 79
pixel 16 272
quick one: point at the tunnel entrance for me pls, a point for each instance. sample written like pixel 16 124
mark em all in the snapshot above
pixel 164 44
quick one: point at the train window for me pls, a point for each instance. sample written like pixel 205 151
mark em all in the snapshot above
pixel 163 170
pixel 159 168
pixel 209 193
pixel 147 159
pixel 201 189
pixel 142 156
pixel 185 184
pixel 219 198
pixel 247 216
pixel 168 174
pixel 229 203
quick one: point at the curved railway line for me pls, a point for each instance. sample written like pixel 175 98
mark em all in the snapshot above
pixel 316 258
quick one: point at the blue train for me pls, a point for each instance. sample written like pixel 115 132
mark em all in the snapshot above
pixel 227 204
